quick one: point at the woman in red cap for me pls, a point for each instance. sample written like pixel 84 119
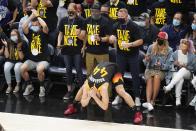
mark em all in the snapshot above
pixel 157 66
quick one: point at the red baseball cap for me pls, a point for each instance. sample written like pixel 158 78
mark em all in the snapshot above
pixel 163 35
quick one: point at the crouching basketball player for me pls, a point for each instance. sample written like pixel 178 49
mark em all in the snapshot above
pixel 96 88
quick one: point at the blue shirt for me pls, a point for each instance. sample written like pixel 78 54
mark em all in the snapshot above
pixel 174 36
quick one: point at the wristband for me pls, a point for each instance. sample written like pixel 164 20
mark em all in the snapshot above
pixel 131 44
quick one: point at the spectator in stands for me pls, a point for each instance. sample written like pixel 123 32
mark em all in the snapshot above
pixel 193 101
pixel 86 8
pixel 136 7
pixel 115 6
pixel 15 8
pixel 175 6
pixel 128 39
pixel 47 10
pixel 14 54
pixel 5 16
pixel 176 31
pixel 4 37
pixel 97 33
pixel 157 60
pixel 38 55
pixel 28 12
pixel 183 61
pixel 148 31
pixel 70 39
pixel 159 13
pixel 192 34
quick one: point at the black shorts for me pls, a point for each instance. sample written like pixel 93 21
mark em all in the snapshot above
pixel 117 80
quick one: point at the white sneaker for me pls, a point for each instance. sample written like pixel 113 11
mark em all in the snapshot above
pixel 193 102
pixel 9 89
pixel 28 90
pixel 16 89
pixel 178 101
pixel 137 101
pixel 166 89
pixel 148 106
pixel 42 92
pixel 117 100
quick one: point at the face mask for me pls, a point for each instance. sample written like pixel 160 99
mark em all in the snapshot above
pixel 160 42
pixel 29 12
pixel 96 16
pixel 176 22
pixel 35 28
pixel 105 15
pixel 193 26
pixel 71 13
pixel 14 38
pixel 121 20
pixel 142 23
pixel 184 46
pixel 89 1
pixel 161 1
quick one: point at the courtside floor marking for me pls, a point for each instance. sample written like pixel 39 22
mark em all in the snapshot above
pixel 19 122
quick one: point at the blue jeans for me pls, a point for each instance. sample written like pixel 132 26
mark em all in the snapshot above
pixel 77 60
pixel 133 64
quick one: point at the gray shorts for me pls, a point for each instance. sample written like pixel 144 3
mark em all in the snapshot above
pixel 33 65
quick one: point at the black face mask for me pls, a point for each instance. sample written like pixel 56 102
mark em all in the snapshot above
pixel 96 16
pixel 160 42
pixel 71 13
pixel 29 12
pixel 105 15
pixel 121 20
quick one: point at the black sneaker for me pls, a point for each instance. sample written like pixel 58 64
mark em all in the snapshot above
pixel 68 96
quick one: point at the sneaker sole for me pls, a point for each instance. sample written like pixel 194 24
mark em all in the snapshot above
pixel 29 92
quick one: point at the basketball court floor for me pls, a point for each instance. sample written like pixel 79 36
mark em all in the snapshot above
pixel 31 113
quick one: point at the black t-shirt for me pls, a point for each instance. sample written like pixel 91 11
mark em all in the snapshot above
pixel 48 14
pixel 100 28
pixel 127 33
pixel 70 40
pixel 148 35
pixel 103 72
pixel 177 6
pixel 38 46
pixel 160 13
pixel 137 7
pixel 114 8
pixel 86 10
pixel 14 53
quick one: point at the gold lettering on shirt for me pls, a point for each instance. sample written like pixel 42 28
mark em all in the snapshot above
pixel 36 43
pixel 176 1
pixel 16 54
pixel 123 36
pixel 134 3
pixel 41 10
pixel 92 30
pixel 70 34
pixel 87 13
pixel 113 13
pixel 160 16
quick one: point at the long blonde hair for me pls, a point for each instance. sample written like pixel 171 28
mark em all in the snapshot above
pixel 164 51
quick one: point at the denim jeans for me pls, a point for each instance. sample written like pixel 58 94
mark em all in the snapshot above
pixel 77 60
pixel 132 62
pixel 7 70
